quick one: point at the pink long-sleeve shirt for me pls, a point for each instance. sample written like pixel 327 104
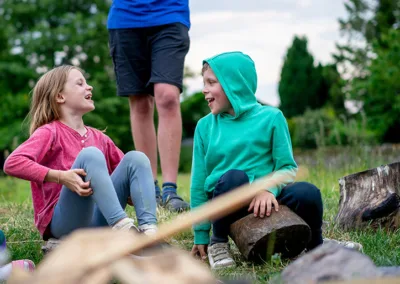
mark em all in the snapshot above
pixel 54 146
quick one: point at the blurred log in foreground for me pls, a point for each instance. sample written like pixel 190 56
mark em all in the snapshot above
pixel 83 257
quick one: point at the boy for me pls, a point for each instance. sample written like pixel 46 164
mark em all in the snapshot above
pixel 238 142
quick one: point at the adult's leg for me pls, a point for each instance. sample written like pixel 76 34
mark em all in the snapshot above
pixel 169 129
pixel 228 181
pixel 143 129
pixel 133 178
pixel 73 211
pixel 170 44
pixel 305 200
pixel 132 65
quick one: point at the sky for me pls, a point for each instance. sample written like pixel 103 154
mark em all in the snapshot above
pixel 263 29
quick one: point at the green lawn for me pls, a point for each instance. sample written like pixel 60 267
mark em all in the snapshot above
pixel 325 168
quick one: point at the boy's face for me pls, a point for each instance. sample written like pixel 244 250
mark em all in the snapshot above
pixel 215 95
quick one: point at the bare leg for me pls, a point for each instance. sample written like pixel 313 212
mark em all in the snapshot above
pixel 169 129
pixel 143 130
pixel 169 142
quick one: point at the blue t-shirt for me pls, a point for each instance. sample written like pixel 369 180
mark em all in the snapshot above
pixel 147 13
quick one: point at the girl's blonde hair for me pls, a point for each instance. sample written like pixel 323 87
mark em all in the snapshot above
pixel 44 107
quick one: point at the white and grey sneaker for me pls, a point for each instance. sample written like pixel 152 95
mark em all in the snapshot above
pixel 126 224
pixel 347 244
pixel 148 229
pixel 219 256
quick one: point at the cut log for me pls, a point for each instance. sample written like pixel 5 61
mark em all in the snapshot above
pixel 370 198
pixel 282 232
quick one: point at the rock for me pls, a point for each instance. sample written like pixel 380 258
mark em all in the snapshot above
pixel 50 245
pixel 330 262
pixel 389 271
pixel 282 232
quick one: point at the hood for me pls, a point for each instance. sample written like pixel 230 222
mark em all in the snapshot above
pixel 237 75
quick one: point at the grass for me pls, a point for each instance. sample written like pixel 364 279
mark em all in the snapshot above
pixel 325 168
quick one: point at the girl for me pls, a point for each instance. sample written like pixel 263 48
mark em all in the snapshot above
pixel 79 178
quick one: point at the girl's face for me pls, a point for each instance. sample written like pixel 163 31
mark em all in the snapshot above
pixel 76 97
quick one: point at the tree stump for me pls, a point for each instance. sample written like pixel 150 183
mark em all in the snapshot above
pixel 370 197
pixel 282 232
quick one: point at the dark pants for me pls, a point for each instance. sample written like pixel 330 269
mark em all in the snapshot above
pixel 301 197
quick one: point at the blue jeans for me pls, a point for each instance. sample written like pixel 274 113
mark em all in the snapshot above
pixel 301 197
pixel 132 177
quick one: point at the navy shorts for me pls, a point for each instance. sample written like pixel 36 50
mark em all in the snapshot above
pixel 144 56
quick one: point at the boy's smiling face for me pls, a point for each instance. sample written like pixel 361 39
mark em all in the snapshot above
pixel 215 95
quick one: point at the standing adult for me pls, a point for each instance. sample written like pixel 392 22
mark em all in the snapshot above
pixel 148 42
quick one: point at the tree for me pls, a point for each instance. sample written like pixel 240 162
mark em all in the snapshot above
pixel 302 84
pixel 382 98
pixel 366 22
pixel 38 35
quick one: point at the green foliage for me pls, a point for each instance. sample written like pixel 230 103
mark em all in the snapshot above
pixel 38 35
pixel 302 84
pixel 381 92
pixel 193 108
pixel 12 112
pixel 322 127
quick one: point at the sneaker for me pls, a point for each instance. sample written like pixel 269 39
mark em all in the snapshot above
pixel 25 264
pixel 158 193
pixel 219 256
pixel 173 202
pixel 126 224
pixel 347 244
pixel 148 229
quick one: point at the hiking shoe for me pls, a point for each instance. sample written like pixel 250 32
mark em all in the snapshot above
pixel 126 224
pixel 175 203
pixel 148 229
pixel 158 193
pixel 219 256
pixel 347 244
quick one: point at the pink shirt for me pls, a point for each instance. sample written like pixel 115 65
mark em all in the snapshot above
pixel 54 146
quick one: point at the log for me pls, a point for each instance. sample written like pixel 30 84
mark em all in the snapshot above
pixel 282 232
pixel 370 198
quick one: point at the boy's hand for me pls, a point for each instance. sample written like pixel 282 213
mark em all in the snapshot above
pixel 262 204
pixel 73 180
pixel 199 251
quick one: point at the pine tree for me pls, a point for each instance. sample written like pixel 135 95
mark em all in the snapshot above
pixel 301 84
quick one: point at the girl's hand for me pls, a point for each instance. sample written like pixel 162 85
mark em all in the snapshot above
pixel 262 204
pixel 199 251
pixel 73 180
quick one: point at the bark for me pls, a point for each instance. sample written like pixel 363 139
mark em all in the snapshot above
pixel 370 198
pixel 282 232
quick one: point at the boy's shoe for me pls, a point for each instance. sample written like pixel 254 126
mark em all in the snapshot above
pixel 158 193
pixel 126 224
pixel 173 202
pixel 148 229
pixel 219 256
pixel 347 244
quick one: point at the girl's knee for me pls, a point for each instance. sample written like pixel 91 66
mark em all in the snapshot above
pixel 138 159
pixel 92 154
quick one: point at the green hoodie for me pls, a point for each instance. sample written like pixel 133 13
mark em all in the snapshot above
pixel 256 139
